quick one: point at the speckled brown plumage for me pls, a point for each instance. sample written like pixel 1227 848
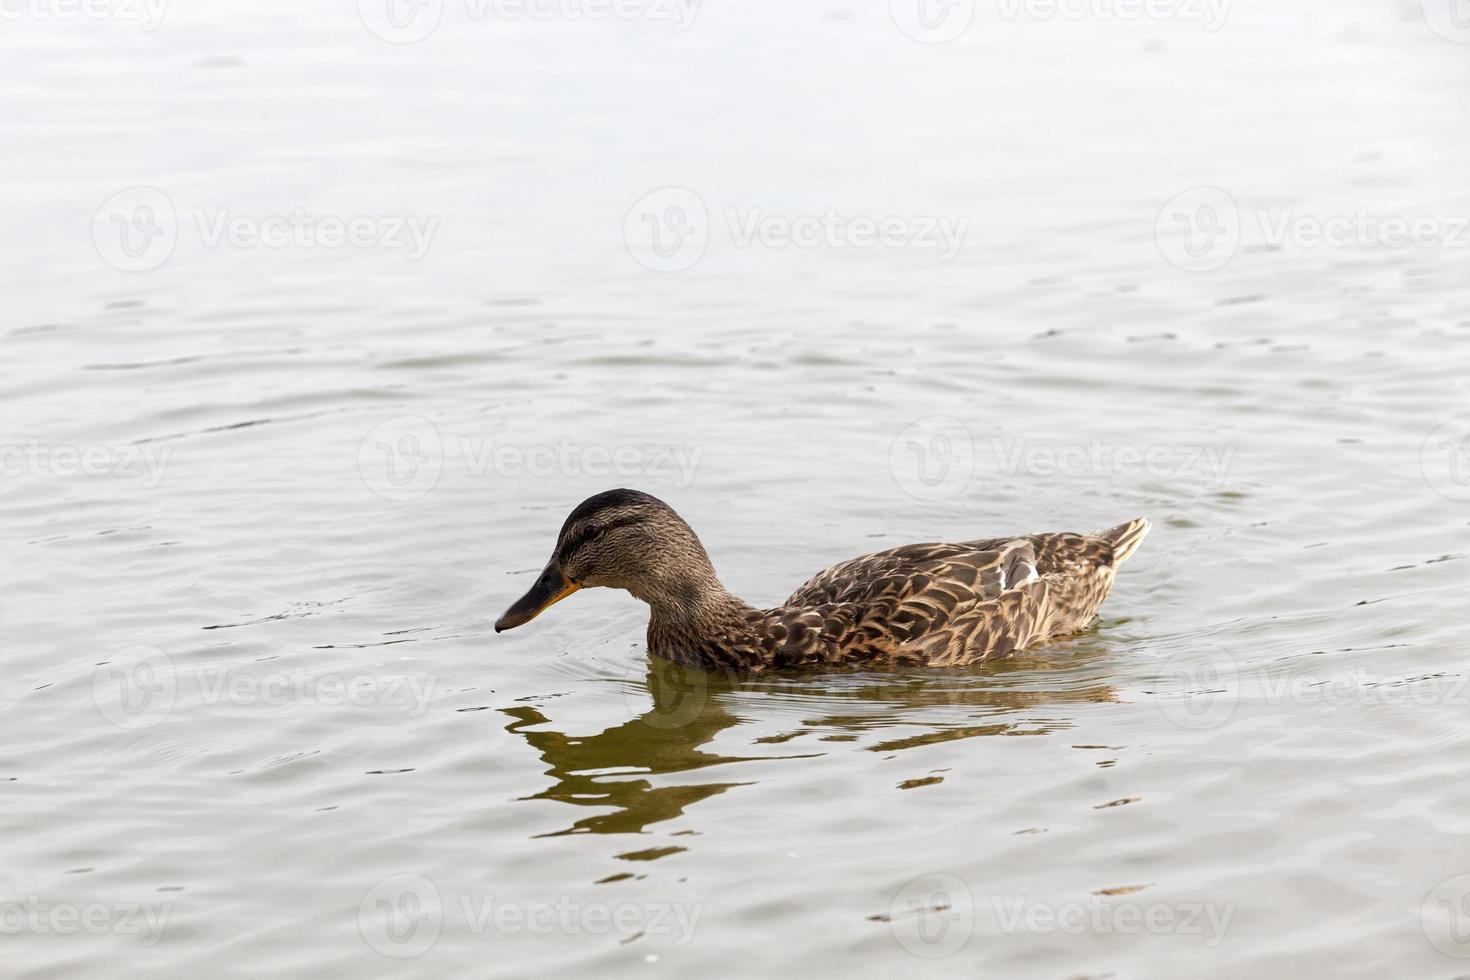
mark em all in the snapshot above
pixel 932 605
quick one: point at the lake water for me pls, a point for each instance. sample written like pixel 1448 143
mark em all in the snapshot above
pixel 318 322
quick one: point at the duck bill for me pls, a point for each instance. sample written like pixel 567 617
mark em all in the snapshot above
pixel 551 587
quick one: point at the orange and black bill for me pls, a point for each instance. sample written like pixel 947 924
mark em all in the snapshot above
pixel 551 587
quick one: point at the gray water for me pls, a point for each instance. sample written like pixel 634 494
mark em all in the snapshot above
pixel 826 288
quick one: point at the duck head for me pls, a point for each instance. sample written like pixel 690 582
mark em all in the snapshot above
pixel 622 539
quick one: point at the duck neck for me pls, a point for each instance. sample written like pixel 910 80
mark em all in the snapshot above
pixel 700 623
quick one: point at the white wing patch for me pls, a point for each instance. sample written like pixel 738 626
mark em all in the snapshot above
pixel 1017 565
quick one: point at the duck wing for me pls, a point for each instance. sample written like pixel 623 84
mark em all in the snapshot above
pixel 874 605
pixel 926 572
pixel 952 604
pixel 1075 572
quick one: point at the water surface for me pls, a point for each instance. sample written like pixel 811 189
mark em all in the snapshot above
pixel 263 503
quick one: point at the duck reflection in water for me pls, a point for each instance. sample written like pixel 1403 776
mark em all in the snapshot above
pixel 612 768
pixel 628 771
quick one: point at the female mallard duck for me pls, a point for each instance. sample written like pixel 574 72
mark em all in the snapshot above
pixel 936 605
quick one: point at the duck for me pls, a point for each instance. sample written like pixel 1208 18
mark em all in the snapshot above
pixel 919 605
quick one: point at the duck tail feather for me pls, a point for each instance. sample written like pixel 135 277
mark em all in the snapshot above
pixel 1125 538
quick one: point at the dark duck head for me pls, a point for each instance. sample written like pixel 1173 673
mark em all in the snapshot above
pixel 626 539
